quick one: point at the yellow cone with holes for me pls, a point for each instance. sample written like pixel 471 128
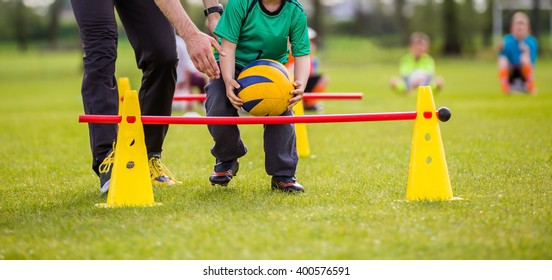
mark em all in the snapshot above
pixel 130 178
pixel 428 177
pixel 123 86
pixel 302 141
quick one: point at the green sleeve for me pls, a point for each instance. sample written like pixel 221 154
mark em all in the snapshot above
pixel 299 35
pixel 230 23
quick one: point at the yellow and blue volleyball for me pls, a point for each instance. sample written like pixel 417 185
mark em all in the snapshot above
pixel 265 88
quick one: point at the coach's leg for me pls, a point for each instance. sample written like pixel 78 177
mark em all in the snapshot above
pixel 153 39
pixel 98 31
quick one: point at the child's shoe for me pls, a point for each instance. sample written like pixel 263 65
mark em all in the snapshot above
pixel 286 184
pixel 224 171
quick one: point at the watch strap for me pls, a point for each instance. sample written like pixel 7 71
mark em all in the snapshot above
pixel 215 9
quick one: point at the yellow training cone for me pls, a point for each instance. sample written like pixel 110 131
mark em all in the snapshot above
pixel 130 179
pixel 123 86
pixel 302 141
pixel 428 177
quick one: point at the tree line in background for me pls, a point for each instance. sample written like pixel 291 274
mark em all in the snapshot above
pixel 456 27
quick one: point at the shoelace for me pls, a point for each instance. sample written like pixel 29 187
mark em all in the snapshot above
pixel 105 166
pixel 157 168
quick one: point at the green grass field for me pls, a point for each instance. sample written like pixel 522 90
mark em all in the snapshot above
pixel 498 149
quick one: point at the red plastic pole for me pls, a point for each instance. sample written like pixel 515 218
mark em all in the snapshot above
pixel 189 97
pixel 366 117
pixel 326 95
pixel 99 119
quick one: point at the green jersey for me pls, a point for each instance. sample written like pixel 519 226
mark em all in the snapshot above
pixel 259 33
pixel 409 64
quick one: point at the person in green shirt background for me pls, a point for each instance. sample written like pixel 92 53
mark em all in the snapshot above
pixel 416 68
pixel 249 30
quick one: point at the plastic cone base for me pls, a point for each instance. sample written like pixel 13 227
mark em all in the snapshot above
pixel 105 205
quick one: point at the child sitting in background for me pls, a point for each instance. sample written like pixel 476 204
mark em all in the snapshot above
pixel 417 68
pixel 517 56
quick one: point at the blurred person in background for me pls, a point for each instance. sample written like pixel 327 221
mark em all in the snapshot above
pixel 317 82
pixel 517 57
pixel 417 67
pixel 188 78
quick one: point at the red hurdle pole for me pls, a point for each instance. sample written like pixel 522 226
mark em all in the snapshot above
pixel 307 95
pixel 189 97
pixel 365 117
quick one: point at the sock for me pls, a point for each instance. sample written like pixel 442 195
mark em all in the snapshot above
pixel 527 72
pixel 503 74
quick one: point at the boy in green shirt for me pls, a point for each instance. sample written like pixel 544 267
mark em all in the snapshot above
pixel 417 68
pixel 251 30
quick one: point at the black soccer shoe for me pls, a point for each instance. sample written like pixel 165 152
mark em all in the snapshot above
pixel 224 172
pixel 286 184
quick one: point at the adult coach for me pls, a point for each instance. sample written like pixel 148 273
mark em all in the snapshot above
pixel 150 26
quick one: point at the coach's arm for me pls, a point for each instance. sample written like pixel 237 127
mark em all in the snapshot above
pixel 199 44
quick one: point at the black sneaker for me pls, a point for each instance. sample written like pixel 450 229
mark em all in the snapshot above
pixel 224 171
pixel 286 184
pixel 105 171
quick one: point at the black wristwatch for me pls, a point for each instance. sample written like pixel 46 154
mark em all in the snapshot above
pixel 214 9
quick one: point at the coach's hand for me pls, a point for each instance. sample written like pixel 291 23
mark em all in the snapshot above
pixel 232 85
pixel 200 47
pixel 297 94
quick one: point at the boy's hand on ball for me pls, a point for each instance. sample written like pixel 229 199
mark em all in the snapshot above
pixel 297 94
pixel 231 85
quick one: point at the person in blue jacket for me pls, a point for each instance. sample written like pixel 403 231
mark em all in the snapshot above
pixel 517 56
